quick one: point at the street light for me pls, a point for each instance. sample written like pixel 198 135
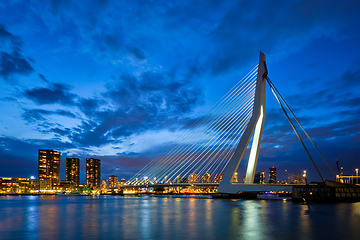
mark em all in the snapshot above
pixel 357 175
pixel 285 175
pixel 304 175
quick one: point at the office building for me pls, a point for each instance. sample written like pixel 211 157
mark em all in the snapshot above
pixel 93 173
pixel 272 175
pixel 49 167
pixel 73 171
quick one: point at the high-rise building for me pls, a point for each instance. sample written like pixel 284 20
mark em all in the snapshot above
pixel 49 166
pixel 272 175
pixel 93 172
pixel 113 181
pixel 73 170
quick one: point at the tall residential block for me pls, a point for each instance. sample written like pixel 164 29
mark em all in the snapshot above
pixel 73 170
pixel 113 181
pixel 49 166
pixel 272 175
pixel 93 172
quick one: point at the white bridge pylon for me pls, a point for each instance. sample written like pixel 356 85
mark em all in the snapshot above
pixel 256 124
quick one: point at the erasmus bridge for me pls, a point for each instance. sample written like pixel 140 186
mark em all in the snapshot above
pixel 210 151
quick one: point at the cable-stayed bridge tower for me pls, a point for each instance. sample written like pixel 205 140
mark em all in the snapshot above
pixel 256 124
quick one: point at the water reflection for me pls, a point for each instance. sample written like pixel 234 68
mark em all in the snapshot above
pixel 113 217
pixel 32 218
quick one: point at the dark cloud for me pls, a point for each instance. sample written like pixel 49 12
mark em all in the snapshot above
pixel 139 54
pixel 42 77
pixel 8 99
pixel 6 36
pixel 57 93
pixel 89 106
pixel 12 62
pixel 34 115
pixel 62 132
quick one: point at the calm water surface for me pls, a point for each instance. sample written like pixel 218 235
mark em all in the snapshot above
pixel 116 217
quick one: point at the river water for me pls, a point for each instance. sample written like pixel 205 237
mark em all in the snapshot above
pixel 117 217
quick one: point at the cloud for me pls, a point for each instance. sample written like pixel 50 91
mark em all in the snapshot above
pixel 34 115
pixel 14 63
pixel 57 93
pixel 11 60
pixel 42 77
pixel 139 54
pixel 134 105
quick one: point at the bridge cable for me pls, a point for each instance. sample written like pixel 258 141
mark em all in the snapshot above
pixel 221 124
pixel 193 150
pixel 189 135
pixel 288 107
pixel 297 134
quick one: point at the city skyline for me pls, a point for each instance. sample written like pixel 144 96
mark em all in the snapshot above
pixel 120 81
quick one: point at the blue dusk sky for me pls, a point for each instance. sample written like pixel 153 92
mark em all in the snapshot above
pixel 120 80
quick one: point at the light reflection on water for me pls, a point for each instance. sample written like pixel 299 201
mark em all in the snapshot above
pixel 114 217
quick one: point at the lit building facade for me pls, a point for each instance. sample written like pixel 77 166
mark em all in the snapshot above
pixel 235 178
pixel 272 175
pixel 206 178
pixel 262 177
pixel 14 185
pixel 296 178
pixel 104 183
pixel 259 178
pixel 93 172
pixel 49 166
pixel 113 181
pixel 193 178
pixel 122 182
pixel 73 170
pixel 218 177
